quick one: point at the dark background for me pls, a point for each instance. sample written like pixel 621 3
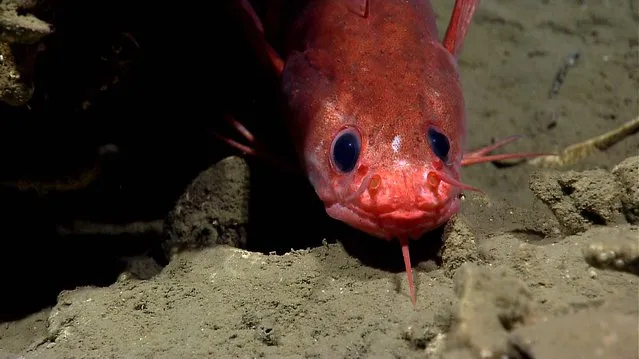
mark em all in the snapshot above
pixel 190 65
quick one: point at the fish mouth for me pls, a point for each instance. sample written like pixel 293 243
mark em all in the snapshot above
pixel 411 223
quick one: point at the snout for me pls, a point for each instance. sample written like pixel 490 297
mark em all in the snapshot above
pixel 399 204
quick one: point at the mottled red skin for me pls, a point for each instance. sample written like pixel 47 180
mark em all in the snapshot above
pixel 389 76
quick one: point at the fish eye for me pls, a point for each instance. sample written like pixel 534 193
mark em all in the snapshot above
pixel 438 143
pixel 345 149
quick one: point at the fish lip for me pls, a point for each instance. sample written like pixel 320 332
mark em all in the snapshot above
pixel 388 228
pixel 403 214
pixel 416 207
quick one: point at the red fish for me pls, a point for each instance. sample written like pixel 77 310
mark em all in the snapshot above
pixel 377 112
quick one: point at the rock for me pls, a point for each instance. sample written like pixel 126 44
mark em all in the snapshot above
pixel 492 301
pixel 627 173
pixel 588 334
pixel 579 199
pixel 616 249
pixel 14 91
pixel 212 210
pixel 459 246
pixel 16 87
pixel 21 28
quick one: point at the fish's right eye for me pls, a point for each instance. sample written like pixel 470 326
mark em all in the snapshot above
pixel 439 144
pixel 345 149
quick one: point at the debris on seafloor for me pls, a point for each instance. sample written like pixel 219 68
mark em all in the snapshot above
pixel 560 76
pixel 16 87
pixel 578 151
pixel 558 81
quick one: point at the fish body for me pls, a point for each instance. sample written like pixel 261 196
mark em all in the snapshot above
pixel 364 92
pixel 376 111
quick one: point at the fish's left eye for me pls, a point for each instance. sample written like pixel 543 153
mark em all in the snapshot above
pixel 438 143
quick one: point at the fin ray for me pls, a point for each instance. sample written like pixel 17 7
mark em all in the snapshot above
pixel 458 26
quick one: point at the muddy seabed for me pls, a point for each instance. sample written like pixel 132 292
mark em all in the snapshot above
pixel 543 265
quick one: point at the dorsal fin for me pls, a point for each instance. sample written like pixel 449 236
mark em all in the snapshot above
pixel 359 7
pixel 458 25
pixel 274 58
